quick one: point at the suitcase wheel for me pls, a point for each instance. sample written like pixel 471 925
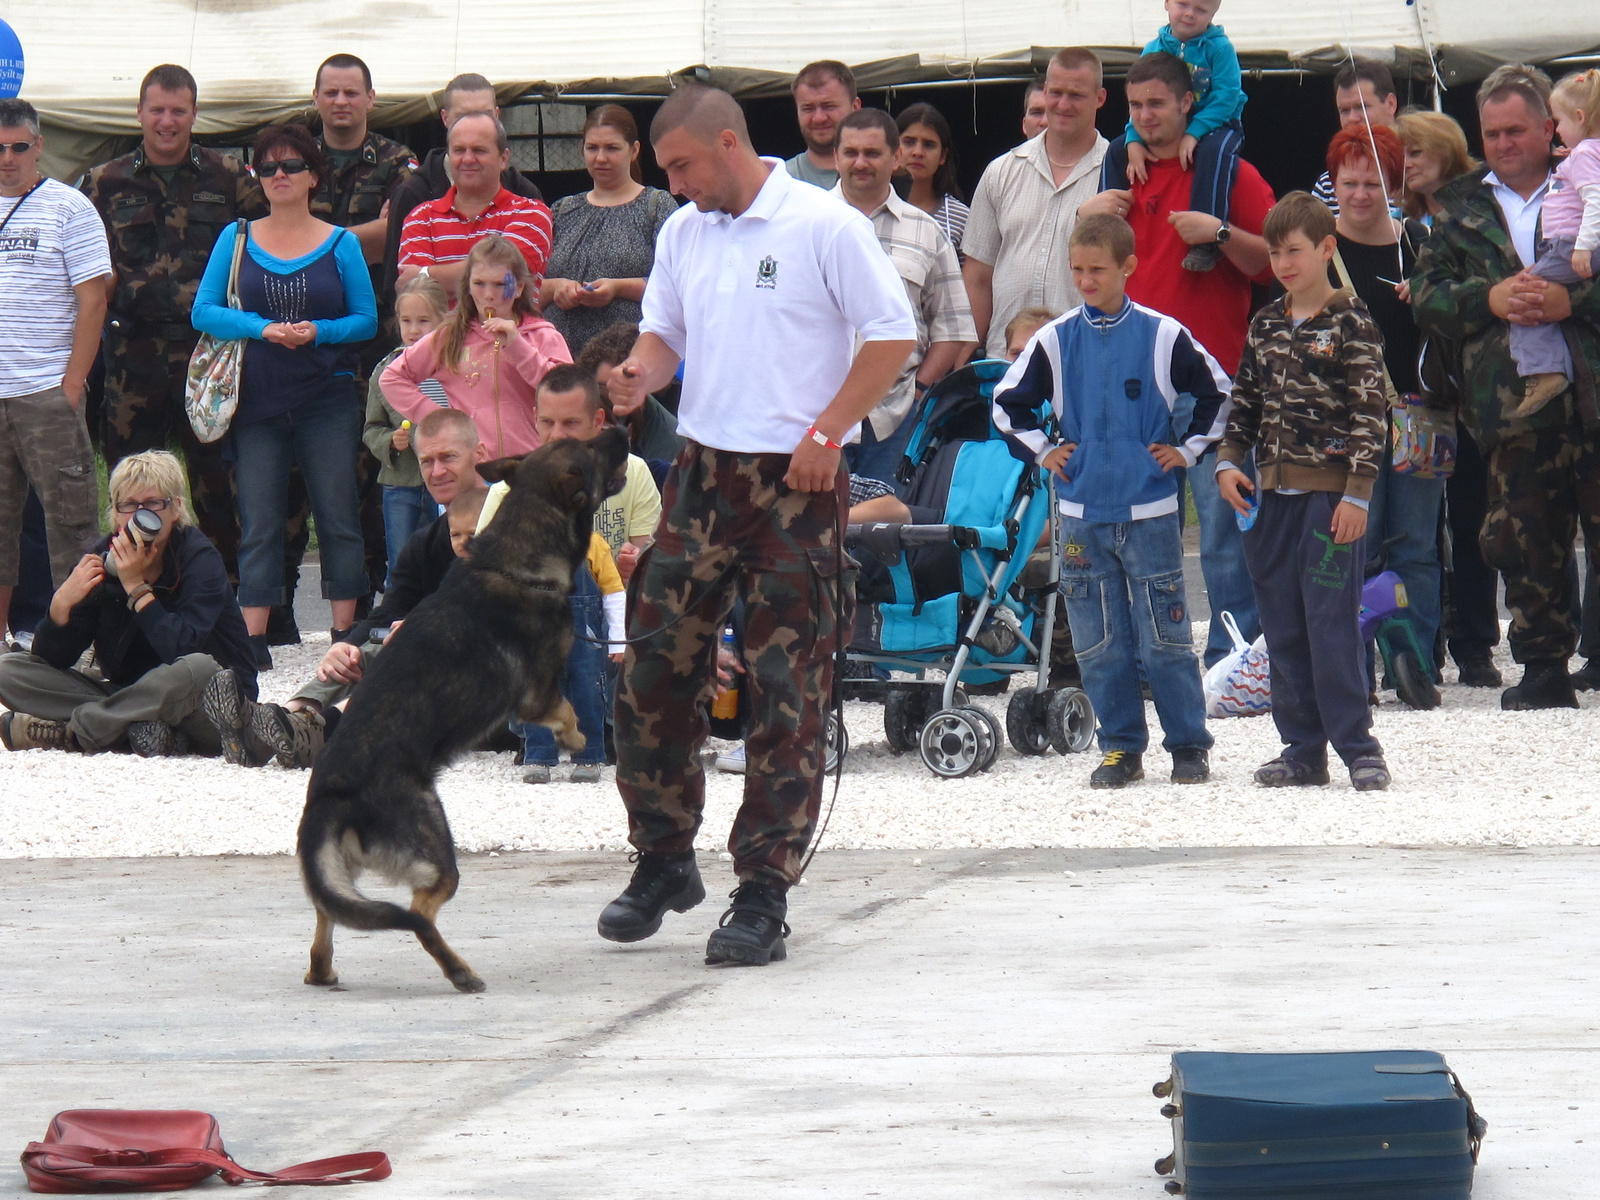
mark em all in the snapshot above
pixel 1171 1110
pixel 1164 1165
pixel 1174 1187
pixel 1163 1089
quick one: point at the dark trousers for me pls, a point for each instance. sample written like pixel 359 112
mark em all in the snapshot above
pixel 732 529
pixel 30 602
pixel 1216 167
pixel 1309 593
pixel 1472 624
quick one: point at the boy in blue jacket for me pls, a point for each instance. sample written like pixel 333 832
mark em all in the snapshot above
pixel 1214 135
pixel 1111 372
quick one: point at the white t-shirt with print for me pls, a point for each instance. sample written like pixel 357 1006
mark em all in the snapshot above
pixel 54 242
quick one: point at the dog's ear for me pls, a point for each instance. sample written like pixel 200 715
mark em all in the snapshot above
pixel 500 470
pixel 572 488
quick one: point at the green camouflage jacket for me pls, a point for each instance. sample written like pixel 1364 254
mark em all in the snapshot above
pixel 1310 399
pixel 161 235
pixel 1468 253
pixel 356 194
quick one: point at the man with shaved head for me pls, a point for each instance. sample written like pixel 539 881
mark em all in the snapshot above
pixel 761 287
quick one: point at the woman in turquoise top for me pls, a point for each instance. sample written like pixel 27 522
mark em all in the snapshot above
pixel 306 301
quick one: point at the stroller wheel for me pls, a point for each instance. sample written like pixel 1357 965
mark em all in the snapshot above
pixel 953 743
pixel 1025 721
pixel 838 743
pixel 1411 682
pixel 993 738
pixel 1070 721
pixel 905 711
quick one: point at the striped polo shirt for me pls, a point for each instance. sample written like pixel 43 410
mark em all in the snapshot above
pixel 435 232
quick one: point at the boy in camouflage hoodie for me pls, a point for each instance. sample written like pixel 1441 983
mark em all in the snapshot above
pixel 1309 401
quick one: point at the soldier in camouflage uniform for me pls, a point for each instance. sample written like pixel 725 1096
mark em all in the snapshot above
pixel 164 206
pixel 1544 470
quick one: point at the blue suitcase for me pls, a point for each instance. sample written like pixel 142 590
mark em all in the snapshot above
pixel 1394 1125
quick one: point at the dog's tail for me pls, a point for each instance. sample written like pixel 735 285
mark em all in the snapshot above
pixel 333 890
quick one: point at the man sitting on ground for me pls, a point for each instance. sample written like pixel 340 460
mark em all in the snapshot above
pixel 162 620
pixel 448 451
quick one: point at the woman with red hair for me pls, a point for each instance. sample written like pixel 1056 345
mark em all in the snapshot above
pixel 1376 252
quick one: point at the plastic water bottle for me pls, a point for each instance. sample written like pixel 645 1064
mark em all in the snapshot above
pixel 726 706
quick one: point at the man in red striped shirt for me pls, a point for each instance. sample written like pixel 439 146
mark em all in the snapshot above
pixel 437 235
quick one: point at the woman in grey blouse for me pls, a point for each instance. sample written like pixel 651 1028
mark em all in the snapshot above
pixel 605 238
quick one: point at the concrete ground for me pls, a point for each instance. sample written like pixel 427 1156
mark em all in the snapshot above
pixel 949 1024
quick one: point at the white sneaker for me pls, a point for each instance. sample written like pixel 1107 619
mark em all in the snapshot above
pixel 732 761
pixel 22 641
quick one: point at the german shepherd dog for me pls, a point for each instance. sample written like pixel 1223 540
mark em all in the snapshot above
pixel 493 638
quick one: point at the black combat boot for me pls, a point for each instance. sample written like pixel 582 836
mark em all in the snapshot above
pixel 752 930
pixel 1545 684
pixel 660 882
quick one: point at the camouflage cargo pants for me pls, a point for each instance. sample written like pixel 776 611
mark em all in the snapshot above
pixel 731 527
pixel 44 442
pixel 1543 487
pixel 144 410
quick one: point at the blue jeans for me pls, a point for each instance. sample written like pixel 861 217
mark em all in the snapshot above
pixel 1404 504
pixel 321 437
pixel 583 683
pixel 405 510
pixel 1123 586
pixel 1228 586
pixel 880 460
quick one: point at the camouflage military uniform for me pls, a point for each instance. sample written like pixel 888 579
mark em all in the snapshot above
pixel 1544 470
pixel 161 238
pixel 730 526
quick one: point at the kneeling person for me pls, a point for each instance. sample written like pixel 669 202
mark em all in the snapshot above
pixel 448 451
pixel 163 622
pixel 1111 370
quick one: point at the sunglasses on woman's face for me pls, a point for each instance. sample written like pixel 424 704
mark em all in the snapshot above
pixel 289 166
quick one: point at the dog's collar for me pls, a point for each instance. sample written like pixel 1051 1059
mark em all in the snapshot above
pixel 537 582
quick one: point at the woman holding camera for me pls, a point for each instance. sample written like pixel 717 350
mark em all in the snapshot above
pixel 154 602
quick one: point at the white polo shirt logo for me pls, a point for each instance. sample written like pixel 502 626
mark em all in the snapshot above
pixel 767 272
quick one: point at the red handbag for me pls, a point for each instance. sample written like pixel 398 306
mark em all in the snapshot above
pixel 132 1150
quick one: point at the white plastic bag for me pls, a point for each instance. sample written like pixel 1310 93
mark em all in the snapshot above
pixel 1239 684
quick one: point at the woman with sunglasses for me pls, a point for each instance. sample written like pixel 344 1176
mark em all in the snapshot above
pixel 306 302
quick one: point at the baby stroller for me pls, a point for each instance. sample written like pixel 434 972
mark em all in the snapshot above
pixel 956 590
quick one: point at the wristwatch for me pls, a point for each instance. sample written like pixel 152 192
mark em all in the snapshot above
pixel 423 274
pixel 1223 234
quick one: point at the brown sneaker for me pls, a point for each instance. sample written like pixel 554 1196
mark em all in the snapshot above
pixel 295 737
pixel 1541 389
pixel 19 731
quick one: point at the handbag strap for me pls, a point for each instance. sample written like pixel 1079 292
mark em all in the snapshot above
pixel 241 230
pixel 1389 394
pixel 344 1168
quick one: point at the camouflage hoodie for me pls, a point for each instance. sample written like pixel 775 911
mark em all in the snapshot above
pixel 1468 253
pixel 1309 400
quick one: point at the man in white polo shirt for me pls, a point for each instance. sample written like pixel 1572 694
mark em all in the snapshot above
pixel 761 287
pixel 54 267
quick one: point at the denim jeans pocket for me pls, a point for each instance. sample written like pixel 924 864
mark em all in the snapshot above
pixel 1169 610
pixel 1086 614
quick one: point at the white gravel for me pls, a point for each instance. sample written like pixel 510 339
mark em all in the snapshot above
pixel 1465 774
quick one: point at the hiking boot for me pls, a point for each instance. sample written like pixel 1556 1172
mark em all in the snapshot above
pixel 1587 677
pixel 1191 765
pixel 1117 769
pixel 751 932
pixel 19 731
pixel 228 708
pixel 1545 684
pixel 1540 390
pixel 1203 257
pixel 258 648
pixel 1370 774
pixel 157 739
pixel 538 773
pixel 1287 772
pixel 585 773
pixel 281 627
pixel 660 882
pixel 1478 671
pixel 294 737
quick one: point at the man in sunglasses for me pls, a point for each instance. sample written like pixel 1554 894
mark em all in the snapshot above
pixel 54 267
pixel 164 206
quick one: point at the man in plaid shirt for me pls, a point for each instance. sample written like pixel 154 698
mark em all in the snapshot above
pixel 867 150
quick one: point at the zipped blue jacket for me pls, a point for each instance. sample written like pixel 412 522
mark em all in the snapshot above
pixel 1112 383
pixel 1213 63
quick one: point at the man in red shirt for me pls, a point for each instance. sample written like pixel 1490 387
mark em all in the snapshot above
pixel 1214 305
pixel 437 235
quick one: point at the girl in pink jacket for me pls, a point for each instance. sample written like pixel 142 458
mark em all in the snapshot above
pixel 489 354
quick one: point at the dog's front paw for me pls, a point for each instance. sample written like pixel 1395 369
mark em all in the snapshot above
pixel 327 979
pixel 466 981
pixel 571 739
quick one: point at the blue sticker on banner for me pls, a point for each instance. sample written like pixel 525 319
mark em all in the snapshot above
pixel 10 62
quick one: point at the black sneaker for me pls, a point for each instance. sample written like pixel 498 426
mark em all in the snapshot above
pixel 660 882
pixel 1587 677
pixel 1117 769
pixel 228 708
pixel 156 739
pixel 281 627
pixel 1203 257
pixel 1545 684
pixel 1478 671
pixel 1191 765
pixel 751 932
pixel 1287 772
pixel 1370 774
